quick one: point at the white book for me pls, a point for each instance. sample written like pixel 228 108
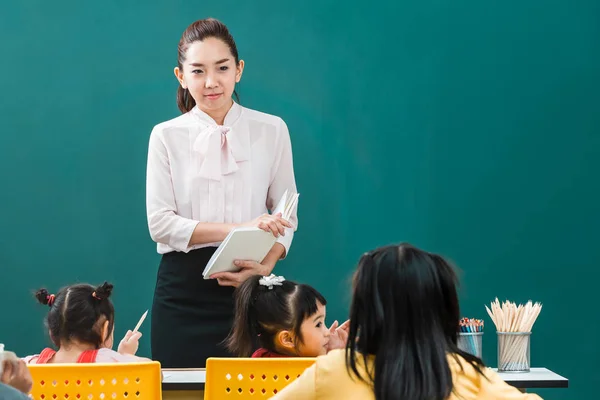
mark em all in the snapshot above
pixel 248 243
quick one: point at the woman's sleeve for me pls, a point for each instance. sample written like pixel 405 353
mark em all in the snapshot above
pixel 282 179
pixel 164 224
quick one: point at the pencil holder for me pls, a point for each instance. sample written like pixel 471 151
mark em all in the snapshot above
pixel 471 342
pixel 513 351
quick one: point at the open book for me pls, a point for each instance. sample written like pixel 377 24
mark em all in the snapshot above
pixel 248 243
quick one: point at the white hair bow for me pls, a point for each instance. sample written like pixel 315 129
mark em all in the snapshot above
pixel 271 280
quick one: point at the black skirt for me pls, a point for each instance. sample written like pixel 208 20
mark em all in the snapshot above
pixel 190 316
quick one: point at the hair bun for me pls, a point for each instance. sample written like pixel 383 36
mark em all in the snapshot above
pixel 103 291
pixel 42 296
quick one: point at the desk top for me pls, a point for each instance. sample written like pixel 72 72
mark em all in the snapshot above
pixel 183 379
pixel 194 379
pixel 536 378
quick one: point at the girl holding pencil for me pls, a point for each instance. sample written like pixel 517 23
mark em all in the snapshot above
pixel 81 323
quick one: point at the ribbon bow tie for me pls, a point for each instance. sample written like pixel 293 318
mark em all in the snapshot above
pixel 220 151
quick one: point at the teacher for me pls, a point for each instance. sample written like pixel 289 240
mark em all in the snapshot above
pixel 216 167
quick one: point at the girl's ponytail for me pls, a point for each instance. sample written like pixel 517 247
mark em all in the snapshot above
pixel 243 335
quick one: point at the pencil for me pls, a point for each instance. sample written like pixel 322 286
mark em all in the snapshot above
pixel 140 322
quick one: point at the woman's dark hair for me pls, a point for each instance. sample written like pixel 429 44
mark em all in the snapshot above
pixel 77 312
pixel 260 313
pixel 197 32
pixel 405 312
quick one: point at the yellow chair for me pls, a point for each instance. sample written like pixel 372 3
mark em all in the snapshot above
pixel 242 378
pixel 130 381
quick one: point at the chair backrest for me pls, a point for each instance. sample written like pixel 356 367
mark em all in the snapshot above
pixel 251 377
pixel 130 381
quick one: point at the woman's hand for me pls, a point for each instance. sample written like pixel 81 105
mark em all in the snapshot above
pixel 248 269
pixel 338 336
pixel 270 223
pixel 130 343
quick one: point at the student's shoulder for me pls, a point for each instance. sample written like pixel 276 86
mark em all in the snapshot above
pixel 332 361
pixel 32 359
pixel 110 356
pixel 334 364
pixel 334 380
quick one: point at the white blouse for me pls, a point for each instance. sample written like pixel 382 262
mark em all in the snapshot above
pixel 199 171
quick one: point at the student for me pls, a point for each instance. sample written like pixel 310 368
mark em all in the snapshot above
pixel 81 324
pixel 404 320
pixel 215 167
pixel 283 319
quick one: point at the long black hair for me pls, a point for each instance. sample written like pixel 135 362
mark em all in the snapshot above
pixel 261 313
pixel 405 312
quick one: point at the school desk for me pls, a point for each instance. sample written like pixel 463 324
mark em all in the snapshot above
pixel 188 384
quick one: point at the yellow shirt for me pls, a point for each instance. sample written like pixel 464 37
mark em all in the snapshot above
pixel 328 378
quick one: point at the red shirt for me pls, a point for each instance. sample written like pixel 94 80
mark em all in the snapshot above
pixel 261 353
pixel 87 357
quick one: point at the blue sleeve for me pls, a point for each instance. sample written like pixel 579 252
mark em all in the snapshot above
pixel 10 393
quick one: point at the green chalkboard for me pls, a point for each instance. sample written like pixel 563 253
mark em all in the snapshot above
pixel 467 128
